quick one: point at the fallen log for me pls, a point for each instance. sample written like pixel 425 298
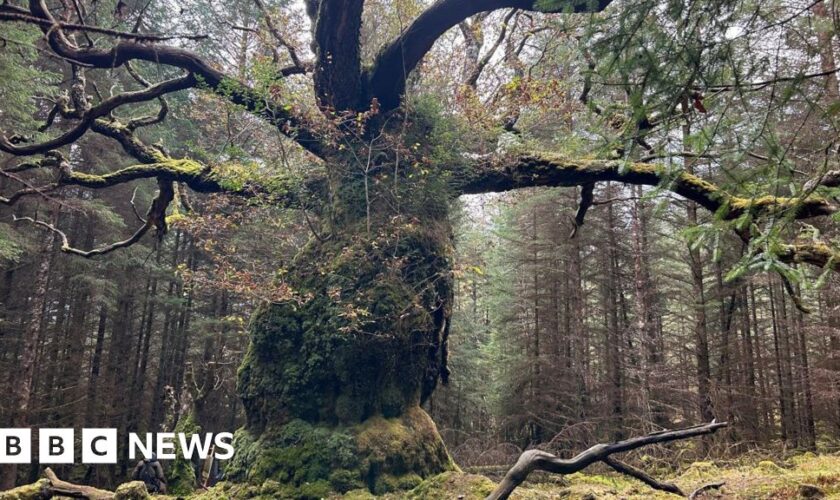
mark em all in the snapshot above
pixel 51 486
pixel 533 460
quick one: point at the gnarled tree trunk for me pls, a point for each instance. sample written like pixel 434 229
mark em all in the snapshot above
pixel 333 379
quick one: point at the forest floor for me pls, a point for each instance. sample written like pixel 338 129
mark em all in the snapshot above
pixel 801 476
pixel 805 476
pixel 756 479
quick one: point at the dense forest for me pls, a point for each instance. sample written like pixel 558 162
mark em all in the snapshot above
pixel 400 247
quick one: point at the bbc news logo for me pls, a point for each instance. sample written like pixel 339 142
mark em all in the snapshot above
pixel 99 446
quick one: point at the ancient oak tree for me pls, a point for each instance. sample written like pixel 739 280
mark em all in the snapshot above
pixel 334 377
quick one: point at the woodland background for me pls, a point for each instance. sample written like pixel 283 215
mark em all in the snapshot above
pixel 653 315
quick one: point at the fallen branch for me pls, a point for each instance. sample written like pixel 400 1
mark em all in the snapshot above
pixel 711 486
pixel 532 460
pixel 51 486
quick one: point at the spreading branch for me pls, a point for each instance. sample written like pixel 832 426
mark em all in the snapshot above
pixel 13 13
pixel 550 170
pixel 155 218
pixel 553 171
pixel 532 460
pixel 386 79
pixel 275 32
pixel 126 50
pixel 87 117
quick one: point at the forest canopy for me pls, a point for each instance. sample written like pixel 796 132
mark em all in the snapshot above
pixel 385 238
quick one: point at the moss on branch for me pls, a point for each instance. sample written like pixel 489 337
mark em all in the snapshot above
pixel 552 170
pixel 182 170
pixel 814 253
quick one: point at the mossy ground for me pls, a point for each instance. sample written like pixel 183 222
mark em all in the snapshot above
pixel 748 480
pixel 754 479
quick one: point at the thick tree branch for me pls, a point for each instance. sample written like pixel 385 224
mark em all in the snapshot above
pixel 815 253
pixel 550 170
pixel 338 64
pixel 386 79
pixel 532 460
pixel 586 200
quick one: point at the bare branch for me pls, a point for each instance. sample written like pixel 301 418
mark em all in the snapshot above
pixel 134 207
pixel 65 242
pixel 99 110
pixel 472 79
pixel 532 460
pixel 156 218
pixel 272 28
pixel 21 15
pixel 146 120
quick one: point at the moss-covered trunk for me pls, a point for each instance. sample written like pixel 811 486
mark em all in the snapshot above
pixel 333 380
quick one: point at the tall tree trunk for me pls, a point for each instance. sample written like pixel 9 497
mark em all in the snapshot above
pixel 22 383
pixel 751 399
pixel 785 408
pixel 614 368
pixel 701 331
pixel 808 427
pixel 645 321
pixel 166 349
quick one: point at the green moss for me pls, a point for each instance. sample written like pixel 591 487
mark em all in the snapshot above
pixel 181 476
pixel 364 337
pixel 34 491
pixel 381 455
pixel 164 167
pixel 701 470
pixel 359 494
pixel 699 184
pixel 343 480
pixel 610 481
pixel 314 491
pixel 135 490
pixel 769 467
pixel 452 485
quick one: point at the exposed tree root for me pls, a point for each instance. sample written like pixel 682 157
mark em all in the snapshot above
pixel 532 460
